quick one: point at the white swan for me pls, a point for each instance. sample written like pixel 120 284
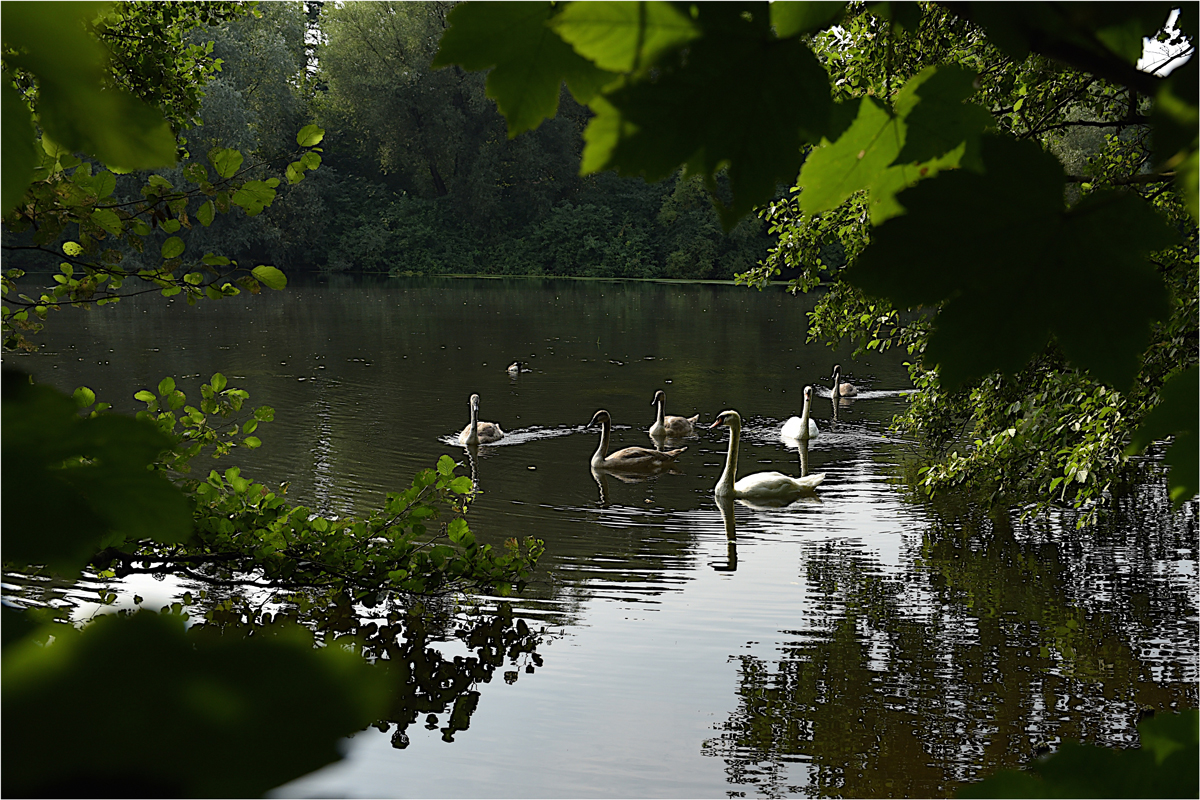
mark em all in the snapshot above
pixel 514 369
pixel 479 432
pixel 842 389
pixel 630 459
pixel 758 485
pixel 801 427
pixel 669 425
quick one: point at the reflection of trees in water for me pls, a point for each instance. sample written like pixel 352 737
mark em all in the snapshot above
pixel 403 642
pixel 1004 642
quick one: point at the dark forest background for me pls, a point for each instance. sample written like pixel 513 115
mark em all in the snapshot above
pixel 419 176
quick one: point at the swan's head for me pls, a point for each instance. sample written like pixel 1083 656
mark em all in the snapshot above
pixel 474 402
pixel 659 396
pixel 807 393
pixel 601 418
pixel 730 418
pixel 514 368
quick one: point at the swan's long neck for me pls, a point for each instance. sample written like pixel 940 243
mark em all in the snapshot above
pixel 804 414
pixel 837 381
pixel 473 436
pixel 725 484
pixel 661 411
pixel 602 451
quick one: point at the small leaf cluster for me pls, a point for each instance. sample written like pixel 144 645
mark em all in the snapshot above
pixel 194 425
pixel 404 546
pixel 51 192
pixel 66 196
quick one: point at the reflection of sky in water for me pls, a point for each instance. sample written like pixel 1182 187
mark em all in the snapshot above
pixel 658 643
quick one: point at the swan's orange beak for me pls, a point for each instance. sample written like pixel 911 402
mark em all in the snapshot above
pixel 720 421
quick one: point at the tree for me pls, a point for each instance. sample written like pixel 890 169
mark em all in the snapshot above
pixel 947 227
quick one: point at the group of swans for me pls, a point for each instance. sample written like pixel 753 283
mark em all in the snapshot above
pixel 643 460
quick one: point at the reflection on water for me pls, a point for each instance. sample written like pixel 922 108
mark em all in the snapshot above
pixel 997 653
pixel 851 643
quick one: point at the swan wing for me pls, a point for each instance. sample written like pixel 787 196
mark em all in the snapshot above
pixel 679 425
pixel 811 481
pixel 775 484
pixel 791 428
pixel 488 432
pixel 641 458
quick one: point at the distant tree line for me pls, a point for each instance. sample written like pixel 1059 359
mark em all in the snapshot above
pixel 419 176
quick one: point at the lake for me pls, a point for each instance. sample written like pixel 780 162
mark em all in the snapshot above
pixel 854 643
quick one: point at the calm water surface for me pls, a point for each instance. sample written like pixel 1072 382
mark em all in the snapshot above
pixel 851 644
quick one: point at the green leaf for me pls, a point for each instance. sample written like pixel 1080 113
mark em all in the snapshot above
pixel 21 154
pixel 797 18
pixel 446 465
pixel 225 161
pixel 457 529
pixel 624 36
pixel 72 248
pixel 837 170
pixel 104 184
pixel 700 113
pixel 218 382
pixel 108 220
pixel 252 442
pixel 999 252
pixel 254 196
pixel 1176 415
pixel 310 136
pixel 145 396
pixel 215 260
pixel 166 386
pixel 938 118
pixel 269 276
pixel 172 247
pixel 84 397
pixel 528 60
pixel 206 213
pixel 879 152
